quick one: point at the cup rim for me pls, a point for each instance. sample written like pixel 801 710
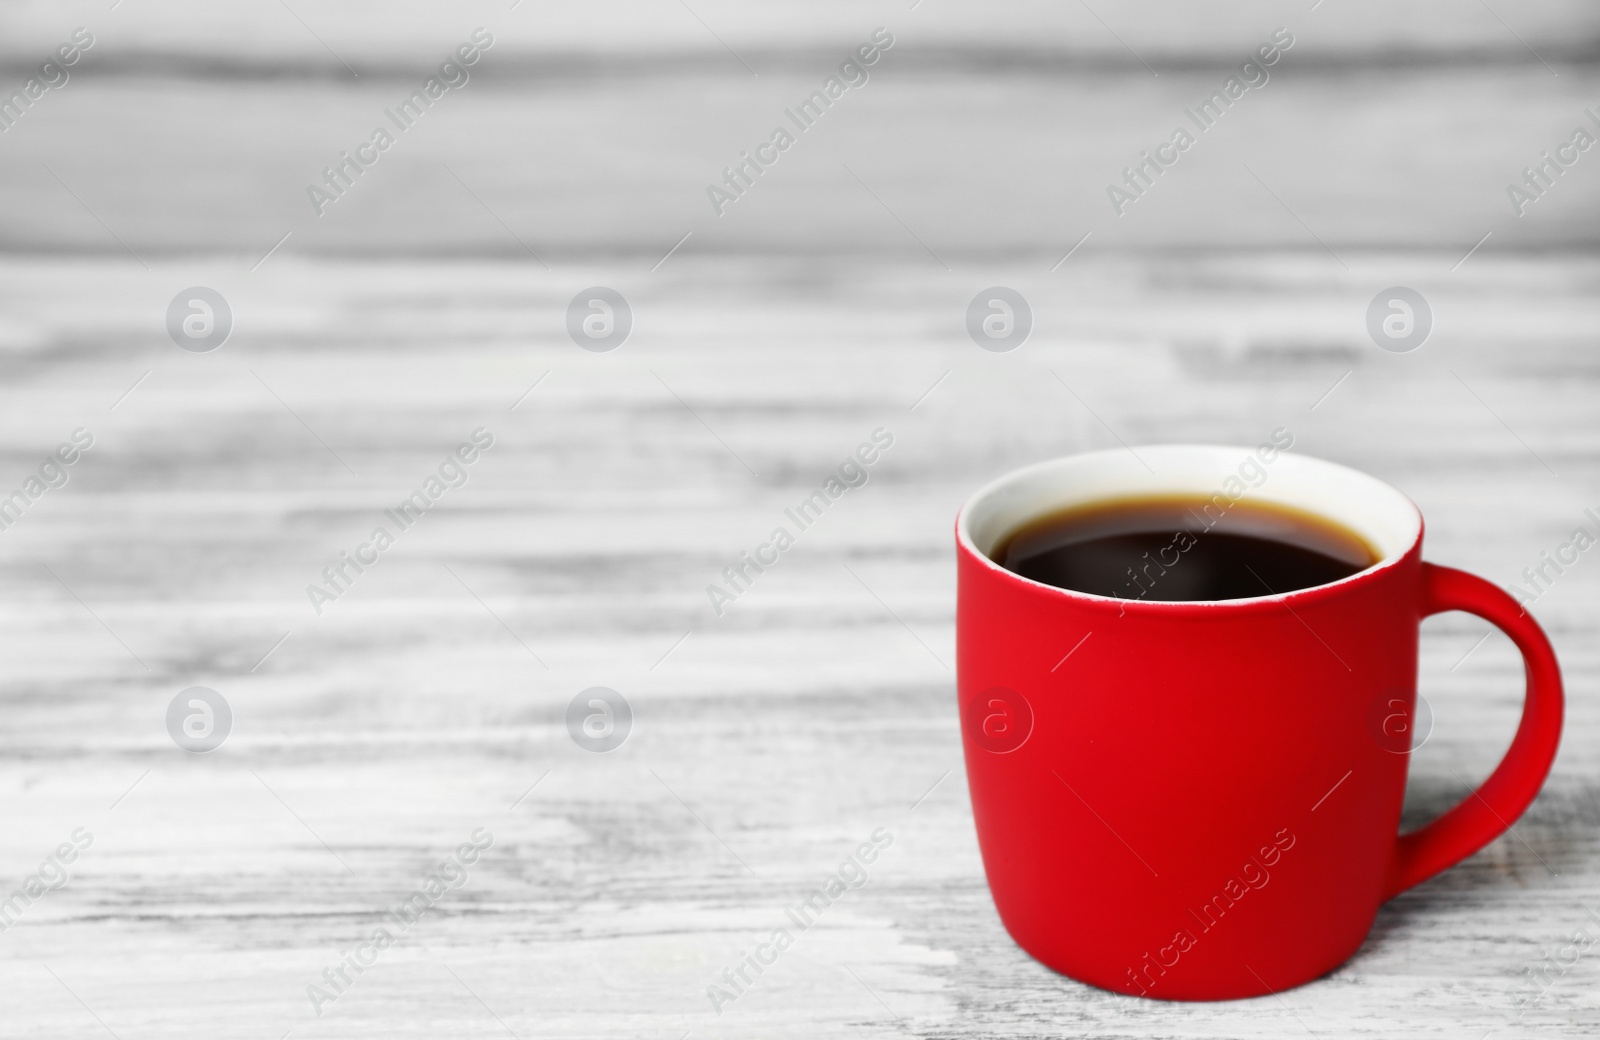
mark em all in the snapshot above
pixel 1387 562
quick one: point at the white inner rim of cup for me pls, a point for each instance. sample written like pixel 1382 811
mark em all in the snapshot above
pixel 1388 520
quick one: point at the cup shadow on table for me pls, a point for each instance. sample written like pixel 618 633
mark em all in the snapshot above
pixel 1544 845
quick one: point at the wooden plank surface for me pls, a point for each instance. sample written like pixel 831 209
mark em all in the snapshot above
pixel 427 703
pixel 183 131
pixel 369 34
pixel 424 703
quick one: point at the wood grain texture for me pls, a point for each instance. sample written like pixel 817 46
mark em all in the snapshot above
pixel 769 742
pixel 185 131
pixel 370 33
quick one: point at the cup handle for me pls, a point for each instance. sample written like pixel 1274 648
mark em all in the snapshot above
pixel 1490 810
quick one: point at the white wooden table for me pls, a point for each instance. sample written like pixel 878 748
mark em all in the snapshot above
pixel 429 700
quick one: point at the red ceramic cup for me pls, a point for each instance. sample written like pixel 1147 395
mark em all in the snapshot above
pixel 1201 800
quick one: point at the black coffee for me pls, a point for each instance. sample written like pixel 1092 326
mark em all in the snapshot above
pixel 1178 549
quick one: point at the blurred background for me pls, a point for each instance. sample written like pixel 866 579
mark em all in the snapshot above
pixel 430 698
pixel 593 130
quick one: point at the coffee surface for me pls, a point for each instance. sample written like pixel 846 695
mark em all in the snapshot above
pixel 1175 549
